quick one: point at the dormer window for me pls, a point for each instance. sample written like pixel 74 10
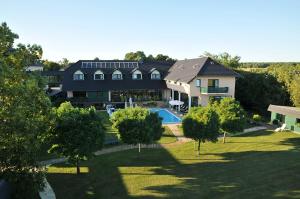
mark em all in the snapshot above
pixel 198 82
pixel 117 75
pixel 137 75
pixel 78 75
pixel 98 75
pixel 155 75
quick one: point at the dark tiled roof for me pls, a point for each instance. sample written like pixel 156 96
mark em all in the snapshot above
pixel 187 70
pixel 285 110
pixel 89 84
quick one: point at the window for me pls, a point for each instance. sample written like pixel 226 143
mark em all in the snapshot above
pixel 213 83
pixel 194 101
pixel 78 75
pixel 137 75
pixel 117 75
pixel 98 75
pixel 298 121
pixel 155 75
pixel 198 82
pixel 79 94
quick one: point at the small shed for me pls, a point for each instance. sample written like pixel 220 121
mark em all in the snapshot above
pixel 286 114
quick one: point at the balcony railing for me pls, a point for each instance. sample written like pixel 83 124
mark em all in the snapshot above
pixel 214 90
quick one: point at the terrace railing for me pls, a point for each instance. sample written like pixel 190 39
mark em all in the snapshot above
pixel 207 90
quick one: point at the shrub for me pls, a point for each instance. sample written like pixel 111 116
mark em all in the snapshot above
pixel 201 124
pixel 257 118
pixel 128 113
pixel 231 114
pixel 77 134
pixel 137 125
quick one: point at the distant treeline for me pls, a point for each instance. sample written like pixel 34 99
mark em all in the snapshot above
pixel 266 64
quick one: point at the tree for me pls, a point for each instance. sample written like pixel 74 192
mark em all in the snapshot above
pixel 78 133
pixel 51 65
pixel 201 124
pixel 24 116
pixel 231 115
pixel 257 89
pixel 154 124
pixel 128 113
pixel 289 76
pixel 64 63
pixel 137 125
pixel 7 38
pixel 295 91
pixel 141 56
pixel 135 56
pixel 161 57
pixel 225 58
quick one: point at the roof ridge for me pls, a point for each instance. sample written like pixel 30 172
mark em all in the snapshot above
pixel 202 57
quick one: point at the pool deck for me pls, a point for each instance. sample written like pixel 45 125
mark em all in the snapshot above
pixel 180 115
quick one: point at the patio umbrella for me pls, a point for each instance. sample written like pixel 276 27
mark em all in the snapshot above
pixel 176 103
pixel 130 102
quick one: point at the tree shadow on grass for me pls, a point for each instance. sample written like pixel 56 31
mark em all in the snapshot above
pixel 247 174
pixel 253 174
pixel 255 134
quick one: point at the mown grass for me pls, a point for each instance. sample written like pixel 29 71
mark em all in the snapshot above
pixel 257 165
pixel 167 136
pixel 106 122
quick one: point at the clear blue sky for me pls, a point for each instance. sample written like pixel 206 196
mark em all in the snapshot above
pixel 256 30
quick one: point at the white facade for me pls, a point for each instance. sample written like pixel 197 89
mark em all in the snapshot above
pixel 201 91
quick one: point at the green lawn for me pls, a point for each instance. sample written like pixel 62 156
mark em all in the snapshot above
pixel 167 137
pixel 257 165
pixel 106 122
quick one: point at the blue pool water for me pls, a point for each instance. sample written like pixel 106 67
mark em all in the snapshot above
pixel 167 116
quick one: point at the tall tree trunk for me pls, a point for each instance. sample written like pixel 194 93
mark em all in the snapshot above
pixel 224 137
pixel 199 147
pixel 77 166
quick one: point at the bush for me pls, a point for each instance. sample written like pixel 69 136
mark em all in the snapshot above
pixel 257 118
pixel 231 115
pixel 77 134
pixel 128 113
pixel 201 124
pixel 137 125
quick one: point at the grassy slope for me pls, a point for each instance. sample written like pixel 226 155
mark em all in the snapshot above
pixel 264 165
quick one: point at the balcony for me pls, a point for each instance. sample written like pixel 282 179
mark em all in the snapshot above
pixel 211 90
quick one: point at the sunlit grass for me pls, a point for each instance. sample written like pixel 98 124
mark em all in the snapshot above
pixel 256 165
pixel 66 170
pixel 167 137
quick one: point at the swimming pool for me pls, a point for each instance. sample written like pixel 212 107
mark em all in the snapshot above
pixel 167 116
